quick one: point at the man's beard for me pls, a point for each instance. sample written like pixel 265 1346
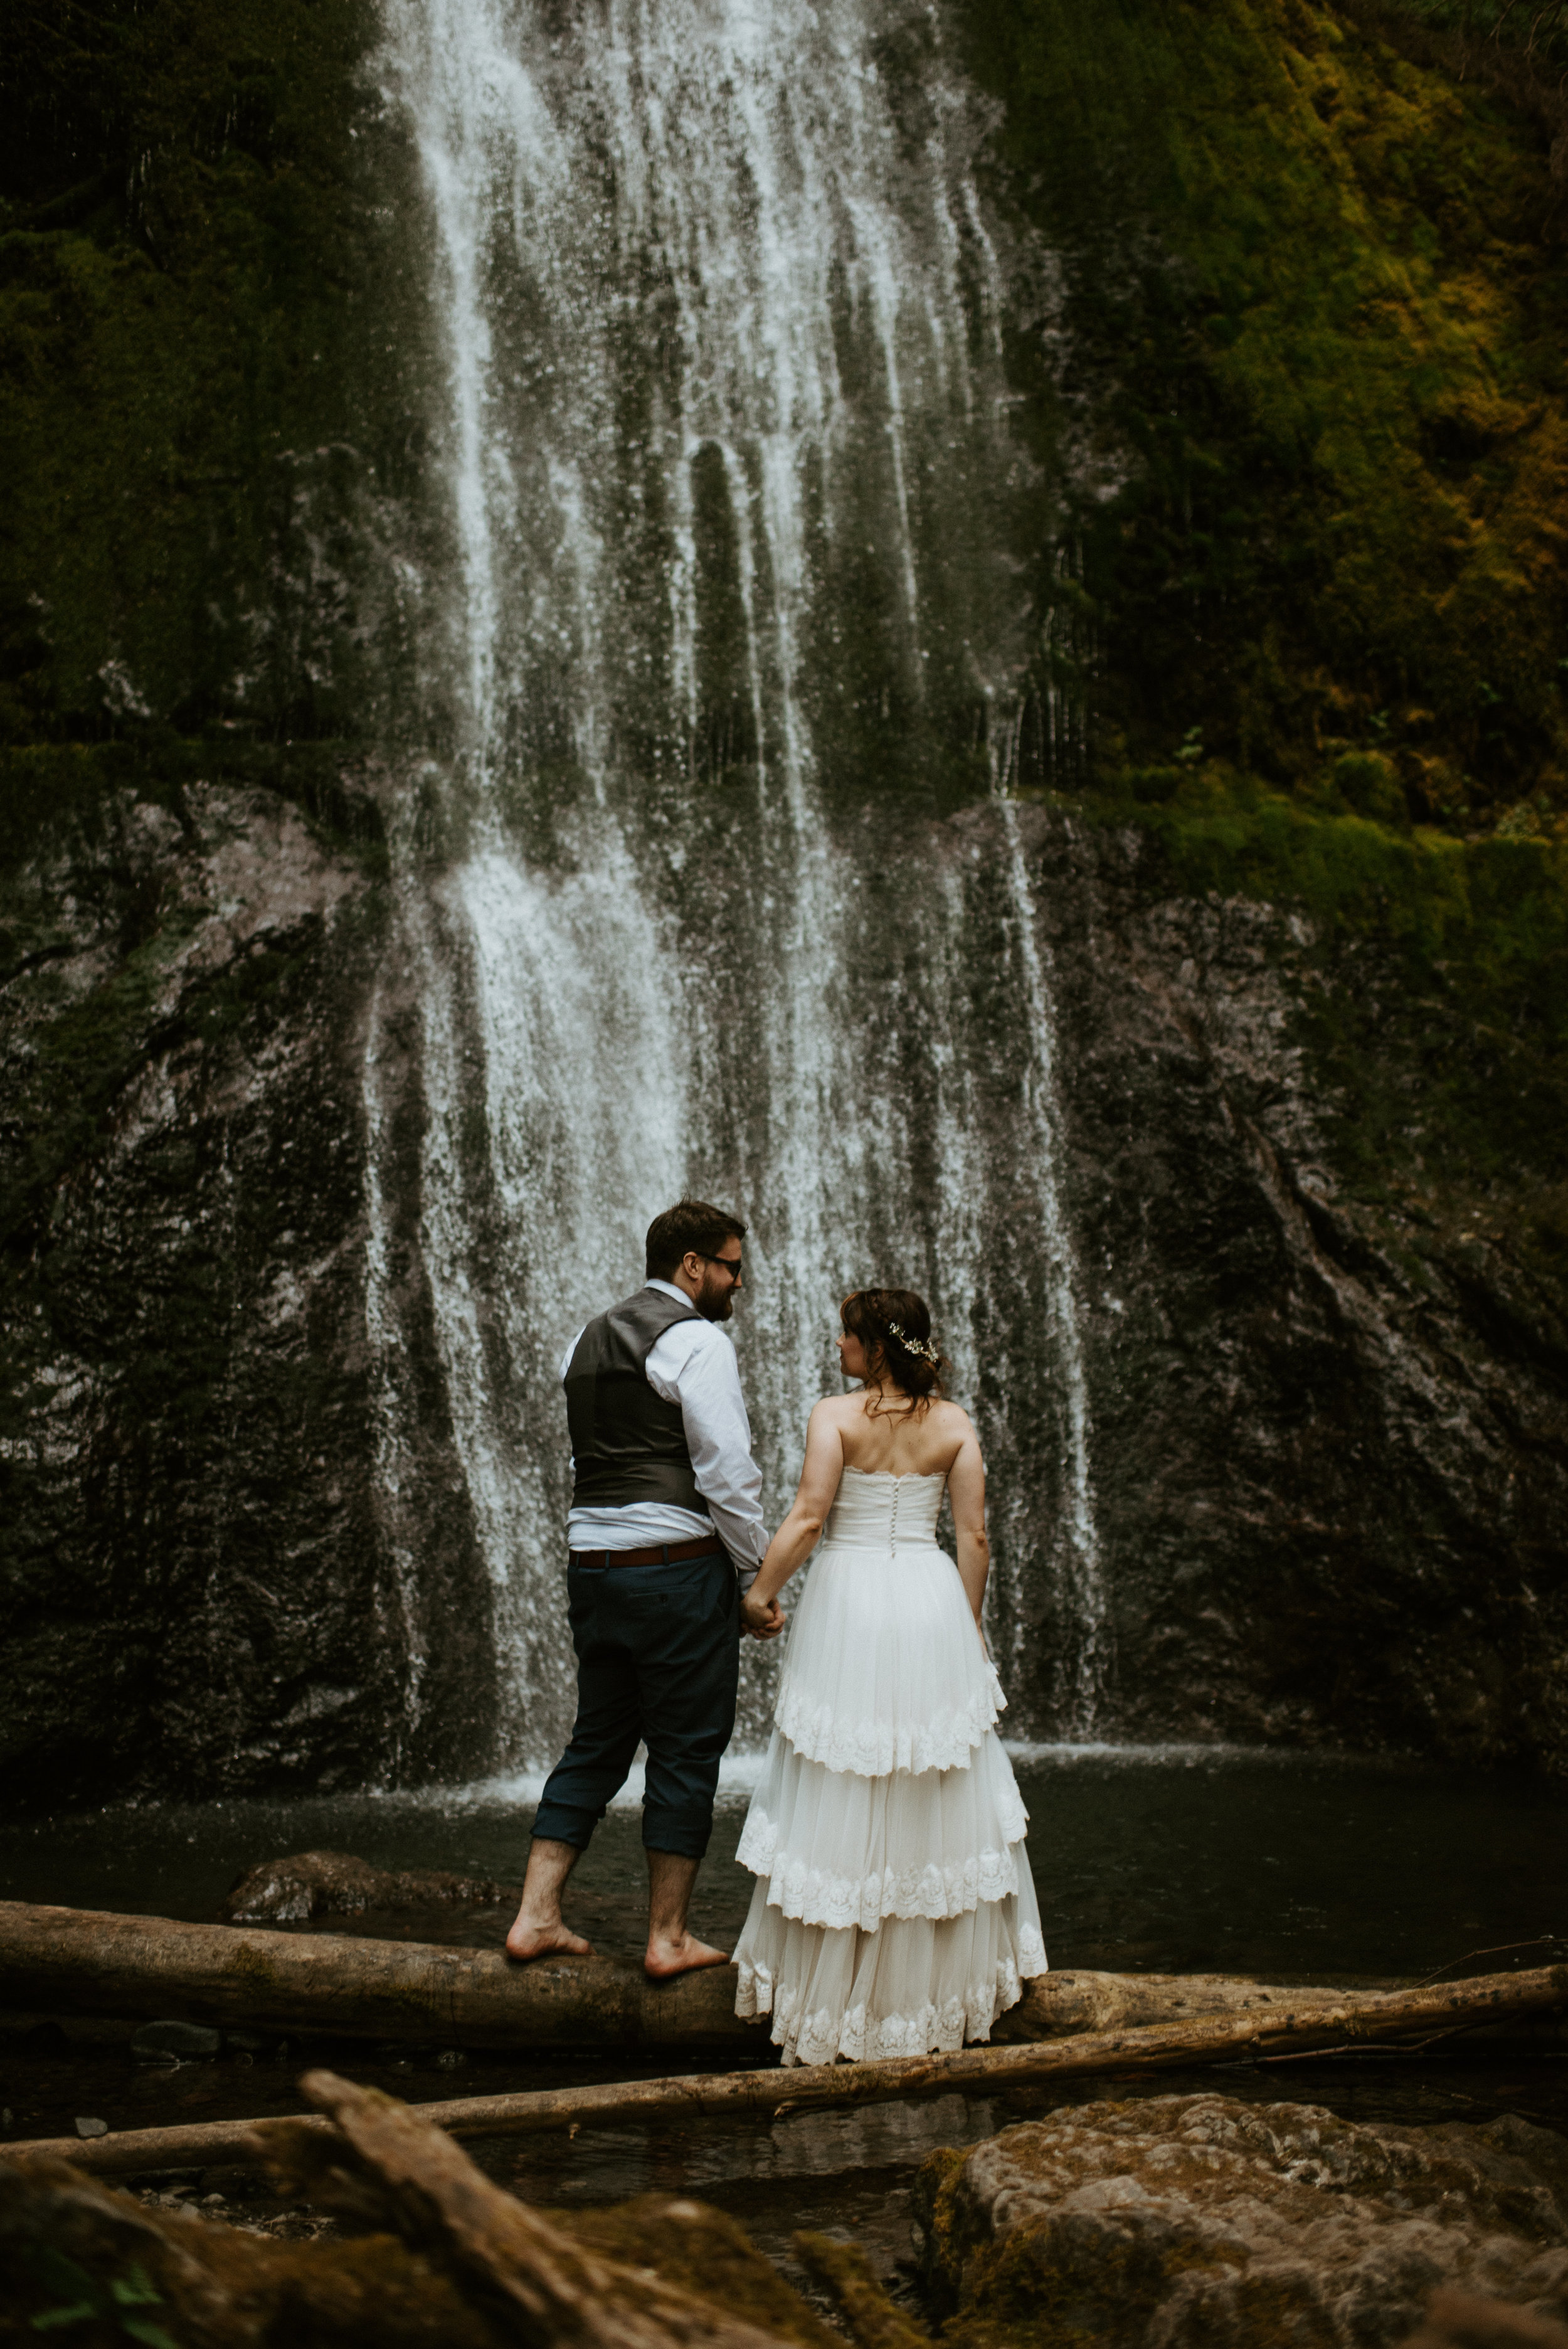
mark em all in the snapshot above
pixel 715 1305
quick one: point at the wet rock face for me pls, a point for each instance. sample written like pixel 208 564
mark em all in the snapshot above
pixel 1330 1433
pixel 1197 2223
pixel 197 1596
pixel 1329 1428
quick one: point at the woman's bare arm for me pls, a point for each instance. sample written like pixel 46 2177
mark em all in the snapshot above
pixel 797 1536
pixel 966 1492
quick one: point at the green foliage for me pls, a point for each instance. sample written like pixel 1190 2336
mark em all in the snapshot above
pixel 195 400
pixel 90 2302
pixel 1308 288
pixel 1446 1069
pixel 1539 31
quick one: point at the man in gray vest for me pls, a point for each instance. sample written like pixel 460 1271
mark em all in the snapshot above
pixel 665 1530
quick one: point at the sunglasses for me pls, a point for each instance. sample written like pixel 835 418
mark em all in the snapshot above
pixel 731 1264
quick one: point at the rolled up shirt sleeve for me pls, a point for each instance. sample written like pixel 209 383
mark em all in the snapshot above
pixel 707 1385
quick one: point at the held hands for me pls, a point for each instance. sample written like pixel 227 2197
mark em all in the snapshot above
pixel 763 1618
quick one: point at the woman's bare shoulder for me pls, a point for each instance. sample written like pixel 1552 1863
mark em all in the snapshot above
pixel 952 1419
pixel 838 1411
pixel 839 1406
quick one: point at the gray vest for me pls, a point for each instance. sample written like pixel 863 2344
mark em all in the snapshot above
pixel 627 1443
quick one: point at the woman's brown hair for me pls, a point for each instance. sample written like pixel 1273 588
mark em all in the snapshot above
pixel 893 1325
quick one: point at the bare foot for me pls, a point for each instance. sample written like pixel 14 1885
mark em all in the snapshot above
pixel 684 1956
pixel 528 1940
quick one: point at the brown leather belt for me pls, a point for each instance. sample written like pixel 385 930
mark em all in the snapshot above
pixel 656 1554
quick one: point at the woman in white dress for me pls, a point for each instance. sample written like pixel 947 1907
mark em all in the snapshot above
pixel 893 1912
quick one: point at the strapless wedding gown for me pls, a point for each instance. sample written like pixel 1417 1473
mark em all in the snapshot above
pixel 893 1912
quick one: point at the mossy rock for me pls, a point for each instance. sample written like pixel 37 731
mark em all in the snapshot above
pixel 1201 2219
pixel 1314 301
pixel 1368 783
pixel 692 2245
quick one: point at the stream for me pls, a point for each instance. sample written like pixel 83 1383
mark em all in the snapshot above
pixel 1290 1866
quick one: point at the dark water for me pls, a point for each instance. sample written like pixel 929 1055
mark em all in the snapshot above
pixel 1178 1860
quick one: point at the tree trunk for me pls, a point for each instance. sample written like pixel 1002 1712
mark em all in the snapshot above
pixel 1374 2017
pixel 82 1961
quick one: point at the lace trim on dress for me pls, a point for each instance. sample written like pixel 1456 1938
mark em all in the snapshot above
pixel 818 2038
pixel 819 1897
pixel 874 1749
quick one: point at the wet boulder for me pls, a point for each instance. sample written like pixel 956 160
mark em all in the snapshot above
pixel 1462 2320
pixel 1202 2222
pixel 175 2041
pixel 308 1884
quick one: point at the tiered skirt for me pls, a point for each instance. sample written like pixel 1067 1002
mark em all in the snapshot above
pixel 893 1913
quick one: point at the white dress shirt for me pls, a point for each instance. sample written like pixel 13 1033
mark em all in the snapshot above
pixel 692 1363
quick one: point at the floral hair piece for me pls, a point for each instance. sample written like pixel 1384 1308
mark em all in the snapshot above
pixel 921 1347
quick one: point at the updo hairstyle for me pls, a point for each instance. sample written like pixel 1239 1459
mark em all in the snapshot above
pixel 893 1325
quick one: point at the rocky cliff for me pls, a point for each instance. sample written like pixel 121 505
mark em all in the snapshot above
pixel 1329 1368
pixel 1287 524
pixel 200 1593
pixel 1329 1386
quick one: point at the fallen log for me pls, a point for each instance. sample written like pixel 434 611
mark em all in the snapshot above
pixel 1079 1999
pixel 453 2260
pixel 78 1960
pixel 1374 2018
pixel 335 1984
pixel 381 2164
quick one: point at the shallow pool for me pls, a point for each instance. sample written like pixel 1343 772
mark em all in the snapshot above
pixel 1160 1859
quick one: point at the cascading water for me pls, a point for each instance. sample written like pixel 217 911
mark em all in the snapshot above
pixel 729 603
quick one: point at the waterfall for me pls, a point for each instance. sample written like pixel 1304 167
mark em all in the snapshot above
pixel 723 456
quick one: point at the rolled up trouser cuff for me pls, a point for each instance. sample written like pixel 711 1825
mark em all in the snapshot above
pixel 687 1835
pixel 564 1824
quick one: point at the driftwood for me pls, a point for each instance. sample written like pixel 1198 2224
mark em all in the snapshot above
pixel 453 2263
pixel 380 2163
pixel 85 1961
pixel 1427 2016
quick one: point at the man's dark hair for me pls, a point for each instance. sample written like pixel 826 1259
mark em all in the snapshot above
pixel 689 1224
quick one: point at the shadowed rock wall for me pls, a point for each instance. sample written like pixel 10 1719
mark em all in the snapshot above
pixel 1331 1400
pixel 1315 1126
pixel 1330 1433
pixel 198 1595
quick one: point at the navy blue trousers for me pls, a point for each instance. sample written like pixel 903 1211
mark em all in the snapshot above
pixel 658 1658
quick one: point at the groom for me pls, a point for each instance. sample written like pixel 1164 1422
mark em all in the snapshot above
pixel 665 1529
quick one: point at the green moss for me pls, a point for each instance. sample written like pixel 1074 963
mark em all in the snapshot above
pixel 845 2271
pixel 1046 2284
pixel 1442 1043
pixel 934 2199
pixel 1309 292
pixel 700 2250
pixel 200 396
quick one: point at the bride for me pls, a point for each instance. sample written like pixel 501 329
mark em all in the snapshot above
pixel 893 1912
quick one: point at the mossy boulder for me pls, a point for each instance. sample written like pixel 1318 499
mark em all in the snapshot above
pixel 1202 2223
pixel 65 2240
pixel 692 2245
